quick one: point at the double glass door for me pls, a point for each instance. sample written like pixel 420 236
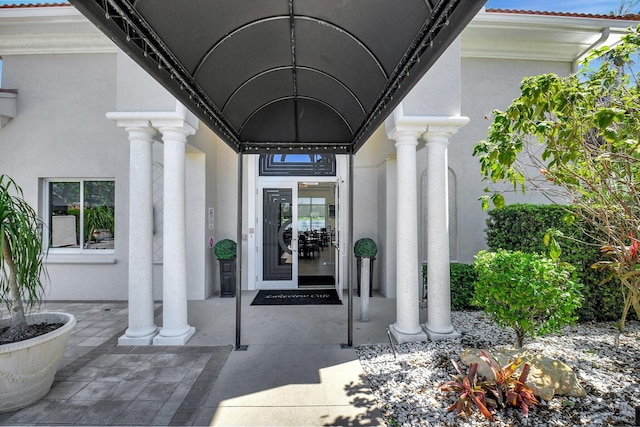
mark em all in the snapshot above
pixel 297 229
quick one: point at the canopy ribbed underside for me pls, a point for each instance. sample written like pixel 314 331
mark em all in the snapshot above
pixel 292 74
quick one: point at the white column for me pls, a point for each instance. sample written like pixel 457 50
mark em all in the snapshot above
pixel 407 326
pixel 141 328
pixel 175 329
pixel 438 325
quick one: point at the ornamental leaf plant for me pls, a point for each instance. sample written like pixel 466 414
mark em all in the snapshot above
pixel 575 139
pixel 22 271
pixel 527 292
pixel 508 389
pixel 488 394
pixel 470 391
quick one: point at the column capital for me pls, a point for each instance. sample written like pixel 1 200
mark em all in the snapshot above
pixel 425 126
pixel 443 128
pixel 179 127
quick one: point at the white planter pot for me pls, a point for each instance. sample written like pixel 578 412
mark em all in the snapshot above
pixel 27 368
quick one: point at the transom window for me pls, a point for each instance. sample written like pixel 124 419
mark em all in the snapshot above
pixel 81 214
pixel 297 165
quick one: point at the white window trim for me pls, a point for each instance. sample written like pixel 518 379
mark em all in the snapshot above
pixel 78 255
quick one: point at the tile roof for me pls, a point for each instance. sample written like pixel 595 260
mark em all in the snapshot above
pixel 28 5
pixel 630 17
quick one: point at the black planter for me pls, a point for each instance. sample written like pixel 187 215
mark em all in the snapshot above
pixel 359 267
pixel 227 277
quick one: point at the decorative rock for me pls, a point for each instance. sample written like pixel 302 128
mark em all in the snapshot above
pixel 547 376
pixel 594 350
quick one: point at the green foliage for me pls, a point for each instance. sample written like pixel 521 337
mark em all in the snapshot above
pixel 463 277
pixel 98 217
pixel 528 292
pixel 21 253
pixel 225 249
pixel 365 248
pixel 522 227
pixel 575 140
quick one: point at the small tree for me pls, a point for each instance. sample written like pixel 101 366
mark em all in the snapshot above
pixel 21 256
pixel 526 291
pixel 581 134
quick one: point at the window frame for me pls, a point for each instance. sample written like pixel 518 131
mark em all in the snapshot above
pixel 47 219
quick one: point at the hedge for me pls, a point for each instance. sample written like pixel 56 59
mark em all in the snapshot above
pixel 463 277
pixel 521 227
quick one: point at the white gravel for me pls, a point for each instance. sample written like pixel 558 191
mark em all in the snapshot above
pixel 606 364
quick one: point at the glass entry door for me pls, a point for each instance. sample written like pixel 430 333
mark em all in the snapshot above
pixel 279 249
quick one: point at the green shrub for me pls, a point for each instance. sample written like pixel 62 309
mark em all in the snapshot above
pixel 526 291
pixel 463 277
pixel 521 227
pixel 225 249
pixel 365 248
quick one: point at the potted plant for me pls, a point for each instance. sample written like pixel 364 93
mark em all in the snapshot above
pixel 225 251
pixel 31 345
pixel 365 248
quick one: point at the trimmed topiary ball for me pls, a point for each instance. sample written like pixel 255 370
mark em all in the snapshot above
pixel 365 248
pixel 225 249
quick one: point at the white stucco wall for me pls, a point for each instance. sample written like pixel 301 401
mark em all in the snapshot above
pixel 438 92
pixel 136 91
pixel 61 131
pixel 487 84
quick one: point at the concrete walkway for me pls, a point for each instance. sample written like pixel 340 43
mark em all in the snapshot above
pixel 294 371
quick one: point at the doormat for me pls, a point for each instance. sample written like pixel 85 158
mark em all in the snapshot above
pixel 297 297
pixel 328 281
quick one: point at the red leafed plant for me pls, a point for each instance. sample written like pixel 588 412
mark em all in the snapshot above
pixel 470 392
pixel 509 390
pixel 504 387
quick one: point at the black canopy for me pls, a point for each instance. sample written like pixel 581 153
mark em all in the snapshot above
pixel 294 74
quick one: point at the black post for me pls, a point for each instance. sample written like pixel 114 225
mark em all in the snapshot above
pixel 349 249
pixel 239 256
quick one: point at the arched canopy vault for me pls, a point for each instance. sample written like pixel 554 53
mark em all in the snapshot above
pixel 294 74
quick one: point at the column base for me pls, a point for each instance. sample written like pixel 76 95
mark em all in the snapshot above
pixel 401 337
pixel 126 340
pixel 174 340
pixel 439 336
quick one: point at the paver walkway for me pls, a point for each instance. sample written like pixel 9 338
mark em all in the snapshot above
pixel 99 383
pixel 293 373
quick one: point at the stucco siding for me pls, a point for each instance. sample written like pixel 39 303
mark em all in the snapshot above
pixel 61 131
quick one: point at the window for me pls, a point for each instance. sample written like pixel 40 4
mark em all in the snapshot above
pixel 297 165
pixel 75 205
pixel 311 213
